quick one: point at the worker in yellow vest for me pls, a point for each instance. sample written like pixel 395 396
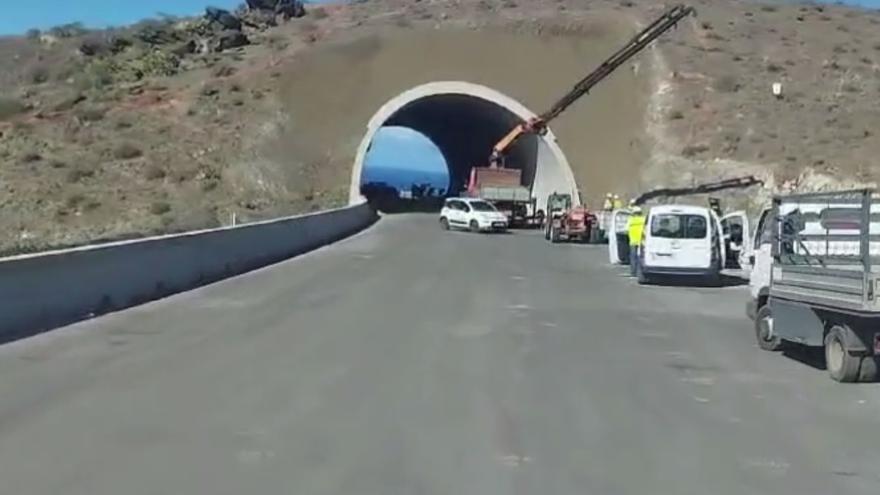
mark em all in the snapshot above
pixel 617 202
pixel 635 227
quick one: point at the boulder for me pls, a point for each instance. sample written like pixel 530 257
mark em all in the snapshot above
pixel 290 8
pixel 231 39
pixel 224 18
pixel 286 8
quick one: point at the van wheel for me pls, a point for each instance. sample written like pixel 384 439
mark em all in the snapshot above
pixel 764 330
pixel 641 276
pixel 475 227
pixel 444 223
pixel 842 366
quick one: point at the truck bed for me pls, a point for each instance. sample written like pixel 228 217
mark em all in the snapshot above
pixel 826 250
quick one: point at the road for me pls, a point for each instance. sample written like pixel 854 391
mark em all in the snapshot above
pixel 408 360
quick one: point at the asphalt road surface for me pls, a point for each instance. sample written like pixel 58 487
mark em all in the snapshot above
pixel 408 360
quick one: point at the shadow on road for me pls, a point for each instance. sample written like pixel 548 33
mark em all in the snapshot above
pixel 678 281
pixel 813 357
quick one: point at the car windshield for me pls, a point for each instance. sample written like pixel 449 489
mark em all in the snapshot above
pixel 482 206
pixel 678 226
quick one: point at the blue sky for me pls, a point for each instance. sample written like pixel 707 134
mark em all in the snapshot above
pixel 400 156
pixel 20 15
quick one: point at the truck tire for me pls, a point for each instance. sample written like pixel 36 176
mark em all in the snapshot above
pixel 595 236
pixel 444 223
pixel 842 366
pixel 547 232
pixel 764 328
pixel 554 234
pixel 475 227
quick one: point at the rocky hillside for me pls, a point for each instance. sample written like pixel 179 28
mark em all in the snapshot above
pixel 173 124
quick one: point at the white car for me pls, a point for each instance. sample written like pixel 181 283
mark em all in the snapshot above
pixel 474 214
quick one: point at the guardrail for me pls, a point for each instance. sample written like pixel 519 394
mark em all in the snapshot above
pixel 39 292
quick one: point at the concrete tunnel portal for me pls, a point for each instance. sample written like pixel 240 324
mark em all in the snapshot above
pixel 464 121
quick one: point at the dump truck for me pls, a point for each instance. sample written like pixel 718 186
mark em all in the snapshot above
pixel 503 188
pixel 814 279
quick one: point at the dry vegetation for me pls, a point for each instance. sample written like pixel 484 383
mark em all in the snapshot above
pixel 163 126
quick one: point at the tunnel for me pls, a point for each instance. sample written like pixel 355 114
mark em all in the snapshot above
pixel 465 120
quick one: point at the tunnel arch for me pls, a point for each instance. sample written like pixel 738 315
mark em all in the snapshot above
pixel 464 120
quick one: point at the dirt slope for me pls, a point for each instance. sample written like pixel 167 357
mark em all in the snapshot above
pixel 270 128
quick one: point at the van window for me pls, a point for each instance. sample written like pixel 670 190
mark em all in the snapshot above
pixel 676 226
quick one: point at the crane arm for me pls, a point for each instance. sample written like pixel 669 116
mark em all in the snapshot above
pixel 653 31
pixel 736 183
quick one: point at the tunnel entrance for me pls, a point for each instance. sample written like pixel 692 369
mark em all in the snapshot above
pixel 464 121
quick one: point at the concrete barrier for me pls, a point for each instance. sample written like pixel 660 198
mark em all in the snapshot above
pixel 42 291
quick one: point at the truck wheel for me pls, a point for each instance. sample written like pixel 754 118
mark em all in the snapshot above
pixel 764 330
pixel 547 232
pixel 444 223
pixel 842 366
pixel 595 236
pixel 554 234
pixel 475 227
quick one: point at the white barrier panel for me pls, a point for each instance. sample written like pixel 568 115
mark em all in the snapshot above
pixel 42 291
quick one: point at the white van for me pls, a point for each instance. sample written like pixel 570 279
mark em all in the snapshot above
pixel 682 240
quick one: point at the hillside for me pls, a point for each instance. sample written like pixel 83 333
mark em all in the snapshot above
pixel 175 124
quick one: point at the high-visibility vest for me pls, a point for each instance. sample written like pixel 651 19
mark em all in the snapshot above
pixel 635 227
pixel 618 204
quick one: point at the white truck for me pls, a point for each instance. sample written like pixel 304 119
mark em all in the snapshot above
pixel 814 278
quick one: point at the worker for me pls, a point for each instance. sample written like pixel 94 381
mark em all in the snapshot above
pixel 617 202
pixel 635 227
pixel 608 205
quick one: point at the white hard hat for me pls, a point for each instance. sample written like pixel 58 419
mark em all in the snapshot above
pixel 616 196
pixel 636 209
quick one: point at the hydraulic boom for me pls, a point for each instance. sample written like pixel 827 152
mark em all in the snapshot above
pixel 538 125
pixel 736 183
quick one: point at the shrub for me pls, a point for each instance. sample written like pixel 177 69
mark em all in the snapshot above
pixel 31 157
pixel 74 200
pixel 154 172
pixel 694 150
pixel 160 207
pixel 69 30
pixel 79 173
pixel 727 84
pixel 768 8
pixel 39 74
pixel 774 68
pixel 10 107
pixel 127 151
pixel 91 114
pixel 676 115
